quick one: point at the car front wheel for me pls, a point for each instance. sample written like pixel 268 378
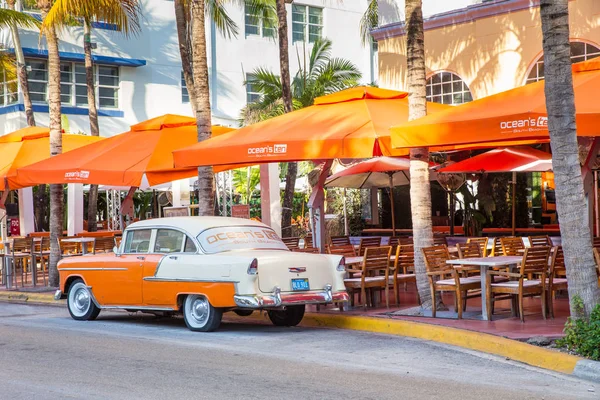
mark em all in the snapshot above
pixel 80 303
pixel 200 315
pixel 291 316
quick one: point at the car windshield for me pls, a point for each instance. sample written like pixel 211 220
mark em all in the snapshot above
pixel 231 238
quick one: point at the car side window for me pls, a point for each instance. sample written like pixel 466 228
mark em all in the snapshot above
pixel 169 241
pixel 138 241
pixel 190 247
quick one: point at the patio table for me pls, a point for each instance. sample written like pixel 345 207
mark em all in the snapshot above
pixel 354 260
pixel 485 263
pixel 8 272
pixel 82 241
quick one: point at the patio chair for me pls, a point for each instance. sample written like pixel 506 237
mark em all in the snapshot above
pixel 367 242
pixel 557 277
pixel 482 242
pixel 375 275
pixel 512 246
pixel 339 240
pixel 404 268
pixel 104 245
pixel 534 262
pixel 497 247
pixel 42 254
pixel 346 250
pixel 537 241
pixel 312 250
pixel 20 257
pixel 439 240
pixel 291 242
pixel 448 278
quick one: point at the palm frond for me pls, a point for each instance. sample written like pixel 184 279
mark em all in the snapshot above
pixel 124 14
pixel 8 69
pixel 9 17
pixel 265 10
pixel 215 9
pixel 267 83
pixel 320 54
pixel 369 21
pixel 338 74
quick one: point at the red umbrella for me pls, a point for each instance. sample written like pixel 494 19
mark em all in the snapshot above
pixel 515 159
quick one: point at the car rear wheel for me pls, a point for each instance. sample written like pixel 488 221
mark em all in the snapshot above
pixel 200 315
pixel 291 316
pixel 80 303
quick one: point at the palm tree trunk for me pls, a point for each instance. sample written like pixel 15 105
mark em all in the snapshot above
pixel 570 198
pixel 93 113
pixel 201 99
pixel 420 194
pixel 56 191
pixel 182 15
pixel 286 94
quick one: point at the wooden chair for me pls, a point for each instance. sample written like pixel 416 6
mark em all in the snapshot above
pixel 404 268
pixel 557 277
pixel 104 244
pixel 448 276
pixel 346 250
pixel 375 275
pixel 367 242
pixel 482 242
pixel 340 241
pixel 291 242
pixel 42 254
pixel 439 240
pixel 20 256
pixel 534 262
pixel 469 250
pixel 69 249
pixel 512 246
pixel 537 241
pixel 497 247
pixel 312 250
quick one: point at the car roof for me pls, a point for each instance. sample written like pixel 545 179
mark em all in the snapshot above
pixel 195 225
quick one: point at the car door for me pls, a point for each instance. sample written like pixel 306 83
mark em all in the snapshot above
pixel 170 248
pixel 124 277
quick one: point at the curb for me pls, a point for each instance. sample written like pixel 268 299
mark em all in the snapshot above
pixel 588 369
pixel 31 298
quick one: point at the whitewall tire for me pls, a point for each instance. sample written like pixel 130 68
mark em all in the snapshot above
pixel 80 302
pixel 200 315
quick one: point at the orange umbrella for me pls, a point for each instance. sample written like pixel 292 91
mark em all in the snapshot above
pixel 514 117
pixel 353 123
pixel 140 157
pixel 30 145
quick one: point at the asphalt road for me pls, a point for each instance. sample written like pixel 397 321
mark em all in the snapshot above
pixel 44 354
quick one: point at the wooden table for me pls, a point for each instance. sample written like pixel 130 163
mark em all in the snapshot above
pixel 8 271
pixel 354 260
pixel 484 264
pixel 80 240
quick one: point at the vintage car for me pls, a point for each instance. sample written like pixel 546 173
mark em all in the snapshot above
pixel 201 267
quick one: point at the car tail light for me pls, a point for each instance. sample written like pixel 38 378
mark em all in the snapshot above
pixel 253 268
pixel 342 265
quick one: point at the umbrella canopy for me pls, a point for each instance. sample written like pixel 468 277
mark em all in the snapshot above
pixel 353 123
pixel 516 159
pixel 30 145
pixel 514 117
pixel 373 173
pixel 140 157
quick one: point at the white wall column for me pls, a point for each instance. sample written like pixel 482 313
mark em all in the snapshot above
pixel 374 206
pixel 3 225
pixel 26 214
pixel 75 208
pixel 270 201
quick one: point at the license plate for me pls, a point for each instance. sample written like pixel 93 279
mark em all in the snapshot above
pixel 300 284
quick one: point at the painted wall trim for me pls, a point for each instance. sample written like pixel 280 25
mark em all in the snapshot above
pixel 461 16
pixel 69 56
pixel 43 108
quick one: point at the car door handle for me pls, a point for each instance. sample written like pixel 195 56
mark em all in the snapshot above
pixel 173 257
pixel 141 258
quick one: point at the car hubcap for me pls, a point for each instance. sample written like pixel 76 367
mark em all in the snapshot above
pixel 200 311
pixel 81 300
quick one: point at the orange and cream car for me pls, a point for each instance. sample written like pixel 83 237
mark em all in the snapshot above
pixel 201 267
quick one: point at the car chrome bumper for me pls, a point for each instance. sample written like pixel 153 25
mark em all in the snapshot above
pixel 278 299
pixel 58 295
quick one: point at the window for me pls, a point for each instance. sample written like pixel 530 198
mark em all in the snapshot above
pixel 138 241
pixel 259 25
pixel 306 22
pixel 579 52
pixel 185 96
pixel 9 91
pixel 252 93
pixel 190 247
pixel 447 88
pixel 30 5
pixel 169 241
pixel 73 85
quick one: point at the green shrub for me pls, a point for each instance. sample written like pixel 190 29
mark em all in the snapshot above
pixel 583 335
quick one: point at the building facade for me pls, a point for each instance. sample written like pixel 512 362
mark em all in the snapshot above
pixel 140 77
pixel 482 48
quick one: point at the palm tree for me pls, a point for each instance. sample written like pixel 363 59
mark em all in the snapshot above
pixel 420 194
pixel 56 191
pixel 570 198
pixel 323 75
pixel 245 181
pixel 124 14
pixel 369 21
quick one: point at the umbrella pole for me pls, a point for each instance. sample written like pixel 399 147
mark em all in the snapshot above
pixel 452 210
pixel 346 228
pixel 514 203
pixel 392 205
pixel 596 203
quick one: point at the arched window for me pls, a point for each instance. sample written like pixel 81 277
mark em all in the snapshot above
pixel 580 51
pixel 447 88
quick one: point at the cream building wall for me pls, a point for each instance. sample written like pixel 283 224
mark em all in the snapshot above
pixel 491 46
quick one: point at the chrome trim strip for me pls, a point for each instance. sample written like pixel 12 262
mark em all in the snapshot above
pixel 161 279
pixel 92 269
pixel 140 308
